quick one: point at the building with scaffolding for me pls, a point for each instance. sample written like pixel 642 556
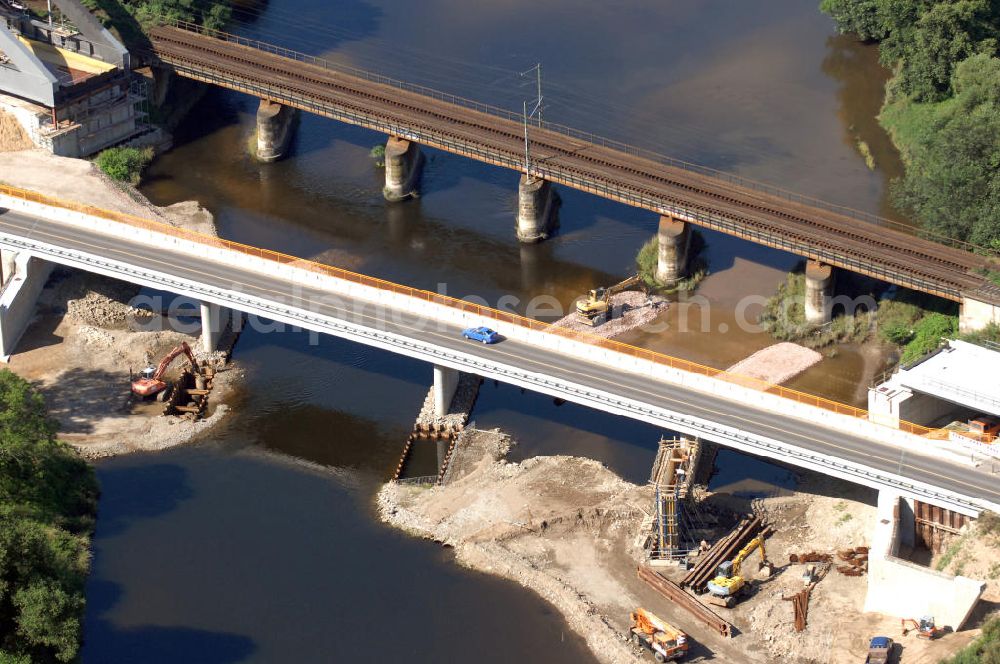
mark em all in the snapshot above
pixel 67 81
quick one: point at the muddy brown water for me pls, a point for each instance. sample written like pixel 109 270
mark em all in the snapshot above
pixel 234 550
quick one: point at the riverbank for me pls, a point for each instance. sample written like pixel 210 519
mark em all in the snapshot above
pixel 87 336
pixel 566 528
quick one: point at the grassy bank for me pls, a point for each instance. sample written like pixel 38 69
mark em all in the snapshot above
pixel 784 318
pixel 124 164
pixel 47 506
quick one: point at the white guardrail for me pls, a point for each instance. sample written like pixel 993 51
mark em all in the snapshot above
pixel 665 375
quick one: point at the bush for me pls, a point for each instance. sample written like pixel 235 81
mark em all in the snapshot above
pixel 928 333
pixel 47 505
pixel 648 256
pixel 984 650
pixel 124 164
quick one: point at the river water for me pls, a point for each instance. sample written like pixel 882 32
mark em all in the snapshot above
pixel 260 544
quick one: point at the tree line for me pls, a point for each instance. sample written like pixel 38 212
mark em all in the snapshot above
pixel 942 106
pixel 48 502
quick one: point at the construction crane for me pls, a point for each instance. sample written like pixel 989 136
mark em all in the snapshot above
pixel 729 584
pixel 666 642
pixel 150 381
pixel 597 307
pixel 926 629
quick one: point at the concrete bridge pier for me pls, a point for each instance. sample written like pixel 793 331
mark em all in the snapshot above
pixel 819 288
pixel 18 298
pixel 7 265
pixel 274 130
pixel 403 160
pixel 536 209
pixel 974 315
pixel 674 238
pixel 445 384
pixel 211 326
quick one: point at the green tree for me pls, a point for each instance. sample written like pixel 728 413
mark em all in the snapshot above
pixel 47 504
pixel 859 17
pixel 952 180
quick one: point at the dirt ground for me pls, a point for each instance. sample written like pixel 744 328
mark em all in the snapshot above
pixel 81 181
pixel 566 527
pixel 778 363
pixel 78 351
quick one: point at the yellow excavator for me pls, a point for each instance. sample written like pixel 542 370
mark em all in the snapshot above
pixel 726 588
pixel 596 308
pixel 666 642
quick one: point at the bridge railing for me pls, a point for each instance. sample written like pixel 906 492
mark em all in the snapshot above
pixel 462 305
pixel 588 137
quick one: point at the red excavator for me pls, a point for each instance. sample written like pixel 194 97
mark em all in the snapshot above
pixel 150 381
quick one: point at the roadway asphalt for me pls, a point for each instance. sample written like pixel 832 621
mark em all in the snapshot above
pixel 962 479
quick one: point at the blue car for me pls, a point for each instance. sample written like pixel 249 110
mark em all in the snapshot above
pixel 484 334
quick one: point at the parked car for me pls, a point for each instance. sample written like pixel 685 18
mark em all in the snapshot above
pixel 484 334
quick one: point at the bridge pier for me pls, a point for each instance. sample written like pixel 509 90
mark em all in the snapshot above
pixel 18 299
pixel 819 288
pixel 403 160
pixel 274 130
pixel 974 315
pixel 7 265
pixel 211 326
pixel 674 238
pixel 536 209
pixel 445 385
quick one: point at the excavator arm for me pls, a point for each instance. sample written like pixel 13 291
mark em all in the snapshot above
pixel 746 551
pixel 171 356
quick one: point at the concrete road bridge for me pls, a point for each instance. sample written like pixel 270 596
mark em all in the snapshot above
pixel 828 235
pixel 767 420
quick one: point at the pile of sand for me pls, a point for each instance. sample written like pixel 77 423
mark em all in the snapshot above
pixel 13 137
pixel 778 363
pixel 632 310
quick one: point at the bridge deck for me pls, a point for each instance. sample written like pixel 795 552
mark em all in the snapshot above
pixel 815 232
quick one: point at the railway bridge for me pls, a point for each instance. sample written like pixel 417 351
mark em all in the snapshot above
pixel 675 394
pixel 682 194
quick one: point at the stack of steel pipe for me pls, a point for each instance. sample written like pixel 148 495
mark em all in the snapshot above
pixel 724 549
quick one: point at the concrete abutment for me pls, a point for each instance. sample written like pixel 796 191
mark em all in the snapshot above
pixel 403 160
pixel 674 240
pixel 974 315
pixel 18 298
pixel 819 289
pixel 536 209
pixel 275 127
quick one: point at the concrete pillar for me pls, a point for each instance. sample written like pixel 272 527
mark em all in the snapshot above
pixel 536 205
pixel 672 258
pixel 18 299
pixel 819 288
pixel 274 130
pixel 402 169
pixel 974 315
pixel 211 326
pixel 7 265
pixel 445 384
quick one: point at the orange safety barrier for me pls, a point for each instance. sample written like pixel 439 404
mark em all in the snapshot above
pixel 462 305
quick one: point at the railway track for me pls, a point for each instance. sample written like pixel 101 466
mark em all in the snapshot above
pixel 839 239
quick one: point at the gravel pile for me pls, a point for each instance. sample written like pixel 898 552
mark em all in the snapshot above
pixel 461 404
pixel 632 310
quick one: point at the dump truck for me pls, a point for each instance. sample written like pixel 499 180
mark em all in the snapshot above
pixel 879 650
pixel 666 642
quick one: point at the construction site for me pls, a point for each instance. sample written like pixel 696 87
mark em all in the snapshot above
pixel 672 570
pixel 68 83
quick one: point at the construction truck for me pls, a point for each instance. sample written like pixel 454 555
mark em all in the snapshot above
pixel 926 629
pixel 666 642
pixel 596 308
pixel 150 381
pixel 879 650
pixel 729 584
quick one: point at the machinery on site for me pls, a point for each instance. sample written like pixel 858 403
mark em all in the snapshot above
pixel 666 642
pixel 925 629
pixel 150 381
pixel 729 584
pixel 984 428
pixel 879 650
pixel 596 308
